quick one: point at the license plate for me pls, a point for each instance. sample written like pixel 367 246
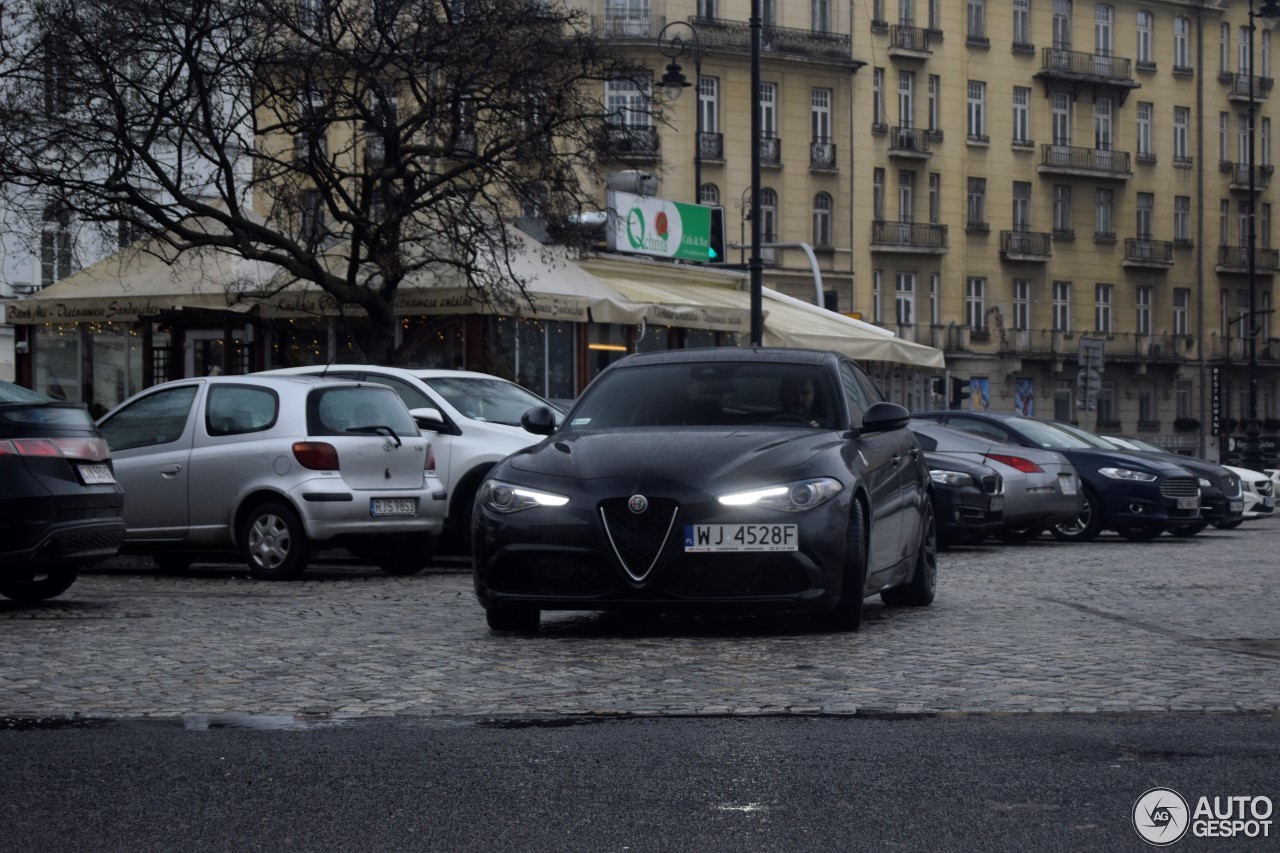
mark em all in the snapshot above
pixel 393 506
pixel 1189 503
pixel 1068 484
pixel 96 474
pixel 1269 503
pixel 1237 506
pixel 997 503
pixel 741 537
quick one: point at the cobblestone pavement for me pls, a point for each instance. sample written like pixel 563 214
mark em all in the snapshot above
pixel 1174 625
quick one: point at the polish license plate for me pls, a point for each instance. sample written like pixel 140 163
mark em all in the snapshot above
pixel 741 537
pixel 1237 506
pixel 1068 484
pixel 393 506
pixel 96 474
pixel 1189 503
pixel 997 503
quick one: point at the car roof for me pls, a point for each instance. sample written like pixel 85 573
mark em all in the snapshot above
pixel 403 372
pixel 276 380
pixel 756 355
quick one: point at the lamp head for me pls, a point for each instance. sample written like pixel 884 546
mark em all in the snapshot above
pixel 674 82
pixel 1269 13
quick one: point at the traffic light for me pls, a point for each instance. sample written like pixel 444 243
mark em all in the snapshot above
pixel 715 254
pixel 959 393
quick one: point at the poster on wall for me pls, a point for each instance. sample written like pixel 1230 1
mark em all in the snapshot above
pixel 1024 397
pixel 979 394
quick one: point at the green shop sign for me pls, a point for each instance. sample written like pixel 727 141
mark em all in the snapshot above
pixel 643 225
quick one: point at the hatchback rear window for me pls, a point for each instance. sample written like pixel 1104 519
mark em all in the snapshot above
pixel 39 415
pixel 363 409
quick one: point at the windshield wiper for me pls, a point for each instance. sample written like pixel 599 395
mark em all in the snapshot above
pixel 377 430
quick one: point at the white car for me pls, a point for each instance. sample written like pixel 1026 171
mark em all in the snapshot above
pixel 475 418
pixel 272 466
pixel 1259 494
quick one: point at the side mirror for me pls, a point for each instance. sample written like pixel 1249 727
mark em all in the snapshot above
pixel 882 417
pixel 428 419
pixel 539 420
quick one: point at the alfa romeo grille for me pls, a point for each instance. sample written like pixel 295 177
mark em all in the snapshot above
pixel 637 538
pixel 1180 487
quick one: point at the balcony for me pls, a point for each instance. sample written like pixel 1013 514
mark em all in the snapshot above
pixel 1084 162
pixel 720 34
pixel 1235 259
pixel 1240 83
pixel 1055 344
pixel 770 151
pixel 1086 69
pixel 1034 246
pixel 630 143
pixel 909 42
pixel 627 24
pixel 711 147
pixel 1239 173
pixel 1145 253
pixel 909 142
pixel 918 238
pixel 822 156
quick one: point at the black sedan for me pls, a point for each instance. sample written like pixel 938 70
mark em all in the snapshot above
pixel 60 505
pixel 705 479
pixel 1138 497
pixel 968 499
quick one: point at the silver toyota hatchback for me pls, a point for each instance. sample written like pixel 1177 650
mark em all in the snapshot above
pixel 272 467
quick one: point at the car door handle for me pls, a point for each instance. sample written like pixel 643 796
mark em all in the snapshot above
pixel 897 457
pixel 170 470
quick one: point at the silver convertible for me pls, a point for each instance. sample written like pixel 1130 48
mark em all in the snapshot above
pixel 272 467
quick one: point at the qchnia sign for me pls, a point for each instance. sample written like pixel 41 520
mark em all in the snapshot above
pixel 644 225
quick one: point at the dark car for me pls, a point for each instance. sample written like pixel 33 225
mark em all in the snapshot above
pixel 968 499
pixel 1221 501
pixel 1139 497
pixel 60 505
pixel 681 479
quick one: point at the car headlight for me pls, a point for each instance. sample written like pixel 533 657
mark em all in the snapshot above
pixel 1127 474
pixel 792 497
pixel 951 478
pixel 505 497
pixel 1205 484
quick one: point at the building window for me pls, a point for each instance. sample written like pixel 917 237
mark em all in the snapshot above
pixel 1061 102
pixel 935 87
pixel 877 194
pixel 1062 209
pixel 1102 123
pixel 1224 222
pixel 1103 40
pixel 310 141
pixel 977 18
pixel 822 220
pixel 768 215
pixel 310 216
pixel 906 99
pixel 821 16
pixel 1102 307
pixel 1182 218
pixel 1022 23
pixel 977 111
pixel 1021 304
pixel 905 299
pixel 1107 403
pixel 975 303
pixel 1062 306
pixel 709 194
pixel 906 196
pixel 1146 403
pixel 1182 43
pixel 709 103
pixel 877 277
pixel 1021 206
pixel 769 110
pixel 1102 219
pixel 1182 398
pixel 977 203
pixel 1224 48
pixel 1181 311
pixel 1144 39
pixel 935 197
pixel 1264 225
pixel 55 244
pixel 935 308
pixel 1146 211
pixel 56 75
pixel 1144 131
pixel 1062 24
pixel 1021 115
pixel 1142 296
pixel 820 115
pixel 627 104
pixel 877 98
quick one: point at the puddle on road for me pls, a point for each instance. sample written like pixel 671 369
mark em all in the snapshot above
pixel 192 722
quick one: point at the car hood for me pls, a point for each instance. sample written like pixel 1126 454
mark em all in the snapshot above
pixel 1098 458
pixel 692 455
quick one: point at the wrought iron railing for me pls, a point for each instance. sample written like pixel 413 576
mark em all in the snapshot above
pixel 908 38
pixel 920 235
pixel 822 155
pixel 1237 258
pixel 914 140
pixel 1153 251
pixel 1089 159
pixel 1112 69
pixel 1036 243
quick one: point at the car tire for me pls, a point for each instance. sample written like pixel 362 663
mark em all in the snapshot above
pixel 847 614
pixel 1141 532
pixel 273 542
pixel 406 555
pixel 1229 525
pixel 1019 535
pixel 513 618
pixel 1186 531
pixel 170 562
pixel 457 538
pixel 919 591
pixel 1086 526
pixel 40 586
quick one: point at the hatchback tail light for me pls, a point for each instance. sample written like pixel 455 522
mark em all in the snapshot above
pixel 88 449
pixel 316 455
pixel 1018 463
pixel 430 465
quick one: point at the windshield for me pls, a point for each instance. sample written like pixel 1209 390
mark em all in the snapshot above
pixel 709 394
pixel 1146 445
pixel 485 399
pixel 1047 435
pixel 1103 441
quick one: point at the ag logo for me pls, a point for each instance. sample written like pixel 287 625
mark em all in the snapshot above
pixel 638 504
pixel 1161 816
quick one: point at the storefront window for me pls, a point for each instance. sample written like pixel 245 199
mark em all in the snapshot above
pixel 699 338
pixel 56 359
pixel 534 353
pixel 435 342
pixel 112 356
pixel 606 343
pixel 299 343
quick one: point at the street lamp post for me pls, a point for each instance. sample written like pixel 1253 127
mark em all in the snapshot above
pixel 755 266
pixel 673 47
pixel 1270 15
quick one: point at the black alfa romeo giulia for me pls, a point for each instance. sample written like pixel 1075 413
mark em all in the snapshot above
pixel 747 478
